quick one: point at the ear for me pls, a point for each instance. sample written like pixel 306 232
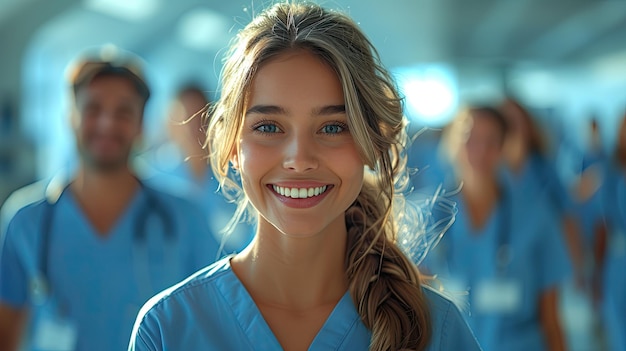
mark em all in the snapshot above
pixel 234 159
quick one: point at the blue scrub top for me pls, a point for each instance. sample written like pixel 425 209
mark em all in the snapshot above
pixel 538 177
pixel 213 311
pixel 503 298
pixel 614 287
pixel 99 283
pixel 590 215
pixel 175 176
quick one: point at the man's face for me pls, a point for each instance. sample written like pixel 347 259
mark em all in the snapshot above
pixel 110 114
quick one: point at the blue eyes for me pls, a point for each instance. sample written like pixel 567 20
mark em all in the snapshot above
pixel 333 129
pixel 271 128
pixel 267 128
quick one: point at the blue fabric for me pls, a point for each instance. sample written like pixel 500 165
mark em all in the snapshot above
pixel 614 287
pixel 101 282
pixel 466 256
pixel 589 214
pixel 539 178
pixel 213 311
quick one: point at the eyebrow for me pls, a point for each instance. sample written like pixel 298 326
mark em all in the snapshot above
pixel 266 110
pixel 330 110
pixel 277 110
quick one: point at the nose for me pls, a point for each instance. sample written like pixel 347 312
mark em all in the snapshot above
pixel 105 120
pixel 301 153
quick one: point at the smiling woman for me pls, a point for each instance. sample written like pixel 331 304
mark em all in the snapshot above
pixel 305 109
pixel 295 136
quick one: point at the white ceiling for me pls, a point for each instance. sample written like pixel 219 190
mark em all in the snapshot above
pixel 484 40
pixel 405 31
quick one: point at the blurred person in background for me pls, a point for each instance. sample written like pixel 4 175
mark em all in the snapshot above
pixel 594 152
pixel 181 165
pixel 76 266
pixel 587 196
pixel 508 255
pixel 532 174
pixel 611 246
pixel 581 308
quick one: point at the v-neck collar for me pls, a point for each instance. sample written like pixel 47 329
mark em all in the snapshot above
pixel 489 224
pixel 331 336
pixel 78 214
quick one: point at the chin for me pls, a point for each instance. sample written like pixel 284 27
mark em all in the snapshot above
pixel 109 165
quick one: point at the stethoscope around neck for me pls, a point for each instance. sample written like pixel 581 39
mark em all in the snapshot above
pixel 40 286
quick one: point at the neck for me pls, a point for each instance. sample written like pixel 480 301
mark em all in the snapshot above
pixel 294 273
pixel 103 196
pixel 480 185
pixel 92 185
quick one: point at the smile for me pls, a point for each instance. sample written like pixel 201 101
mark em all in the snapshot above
pixel 300 193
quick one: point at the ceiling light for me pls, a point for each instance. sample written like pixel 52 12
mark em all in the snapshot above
pixel 204 29
pixel 131 10
pixel 430 93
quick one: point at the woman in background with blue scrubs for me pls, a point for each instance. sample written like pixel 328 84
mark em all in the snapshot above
pixel 311 124
pixel 508 258
pixel 532 174
pixel 611 246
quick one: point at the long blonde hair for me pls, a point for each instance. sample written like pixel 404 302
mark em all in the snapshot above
pixel 384 283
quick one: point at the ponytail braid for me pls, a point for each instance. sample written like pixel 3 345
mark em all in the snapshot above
pixel 384 283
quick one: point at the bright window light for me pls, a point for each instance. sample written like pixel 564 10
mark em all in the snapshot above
pixel 204 29
pixel 131 10
pixel 430 93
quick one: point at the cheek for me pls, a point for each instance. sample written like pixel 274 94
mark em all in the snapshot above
pixel 494 155
pixel 84 127
pixel 472 150
pixel 253 160
pixel 348 165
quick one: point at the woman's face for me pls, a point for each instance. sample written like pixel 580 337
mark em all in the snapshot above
pixel 520 130
pixel 299 164
pixel 483 146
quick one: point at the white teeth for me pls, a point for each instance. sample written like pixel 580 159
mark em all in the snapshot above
pixel 299 193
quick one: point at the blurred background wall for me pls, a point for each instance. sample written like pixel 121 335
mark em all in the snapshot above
pixel 564 59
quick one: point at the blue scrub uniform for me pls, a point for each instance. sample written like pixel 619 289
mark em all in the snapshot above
pixel 538 177
pixel 213 311
pixel 500 278
pixel 589 214
pixel 96 285
pixel 614 287
pixel 174 176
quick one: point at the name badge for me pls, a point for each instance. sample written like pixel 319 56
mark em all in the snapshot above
pixel 54 333
pixel 498 296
